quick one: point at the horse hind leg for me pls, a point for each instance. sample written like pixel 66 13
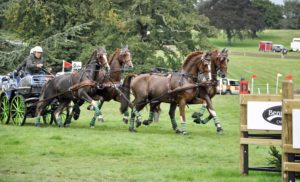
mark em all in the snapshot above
pixel 153 107
pixel 57 112
pixel 172 117
pixel 39 111
pixel 70 116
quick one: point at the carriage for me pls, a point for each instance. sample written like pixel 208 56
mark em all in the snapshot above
pixel 19 97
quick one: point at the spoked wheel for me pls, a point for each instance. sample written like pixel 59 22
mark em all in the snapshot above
pixel 4 109
pixel 48 116
pixel 18 110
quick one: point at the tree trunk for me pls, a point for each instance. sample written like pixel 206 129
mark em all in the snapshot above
pixel 253 34
pixel 229 37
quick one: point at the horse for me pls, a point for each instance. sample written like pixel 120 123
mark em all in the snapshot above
pixel 219 67
pixel 176 88
pixel 119 61
pixel 75 87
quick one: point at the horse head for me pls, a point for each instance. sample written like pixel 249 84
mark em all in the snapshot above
pixel 125 58
pixel 204 66
pixel 101 57
pixel 221 61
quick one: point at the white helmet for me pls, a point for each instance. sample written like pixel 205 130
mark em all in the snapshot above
pixel 37 49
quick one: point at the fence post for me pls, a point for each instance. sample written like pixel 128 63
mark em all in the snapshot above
pixel 287 93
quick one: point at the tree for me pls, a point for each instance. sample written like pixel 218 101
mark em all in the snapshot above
pixel 233 16
pixel 271 12
pixel 157 32
pixel 291 12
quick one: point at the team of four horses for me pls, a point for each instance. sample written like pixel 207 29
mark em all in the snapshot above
pixel 100 81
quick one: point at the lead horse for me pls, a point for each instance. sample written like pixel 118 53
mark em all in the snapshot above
pixel 75 87
pixel 176 89
pixel 219 64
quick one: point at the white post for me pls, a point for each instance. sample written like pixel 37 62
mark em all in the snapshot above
pixel 258 90
pixel 63 68
pixel 268 91
pixel 220 87
pixel 277 80
pixel 252 82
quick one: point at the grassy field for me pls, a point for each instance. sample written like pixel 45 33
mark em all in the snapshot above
pixel 283 37
pixel 110 153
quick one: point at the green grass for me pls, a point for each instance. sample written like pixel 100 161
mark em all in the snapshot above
pixel 266 70
pixel 251 45
pixel 110 153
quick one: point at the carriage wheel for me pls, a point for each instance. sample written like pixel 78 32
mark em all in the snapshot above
pixel 4 109
pixel 18 110
pixel 48 116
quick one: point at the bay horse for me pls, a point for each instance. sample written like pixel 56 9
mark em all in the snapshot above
pixel 219 68
pixel 176 89
pixel 119 61
pixel 219 62
pixel 83 83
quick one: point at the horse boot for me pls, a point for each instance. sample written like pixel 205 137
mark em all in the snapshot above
pixel 200 113
pixel 218 125
pixel 149 120
pixel 76 111
pixel 38 122
pixel 183 128
pixel 92 123
pixel 174 126
pixel 59 123
pixel 131 124
pixel 138 118
pixel 125 117
pixel 198 121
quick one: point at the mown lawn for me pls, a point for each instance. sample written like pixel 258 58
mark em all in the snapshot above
pixel 110 153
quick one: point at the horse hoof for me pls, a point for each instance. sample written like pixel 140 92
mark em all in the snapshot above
pixel 138 124
pixel 38 125
pixel 177 130
pixel 100 120
pixel 67 125
pixel 220 130
pixel 125 120
pixel 198 121
pixel 132 130
pixel 92 127
pixel 90 107
pixel 146 122
pixel 197 115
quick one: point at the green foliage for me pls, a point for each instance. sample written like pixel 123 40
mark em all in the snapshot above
pixel 146 26
pixel 291 11
pixel 272 13
pixel 275 157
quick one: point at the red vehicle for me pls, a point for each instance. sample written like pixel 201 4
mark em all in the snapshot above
pixel 265 46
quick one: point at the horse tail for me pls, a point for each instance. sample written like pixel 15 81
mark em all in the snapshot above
pixel 125 98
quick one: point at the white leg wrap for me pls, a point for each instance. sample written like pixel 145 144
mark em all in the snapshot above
pixel 94 103
pixel 212 112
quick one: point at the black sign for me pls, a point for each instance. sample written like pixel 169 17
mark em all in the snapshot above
pixel 273 115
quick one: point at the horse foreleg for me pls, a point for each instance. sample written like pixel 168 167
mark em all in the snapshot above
pixel 213 115
pixel 182 116
pixel 71 111
pixel 94 103
pixel 199 114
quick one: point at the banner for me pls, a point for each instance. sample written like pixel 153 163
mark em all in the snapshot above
pixel 296 128
pixel 76 65
pixel 264 115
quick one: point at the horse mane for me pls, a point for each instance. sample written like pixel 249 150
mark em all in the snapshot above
pixel 114 55
pixel 91 58
pixel 190 57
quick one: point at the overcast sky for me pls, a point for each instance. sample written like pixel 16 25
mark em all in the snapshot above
pixel 278 1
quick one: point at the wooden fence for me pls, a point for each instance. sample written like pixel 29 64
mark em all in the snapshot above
pixel 250 136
